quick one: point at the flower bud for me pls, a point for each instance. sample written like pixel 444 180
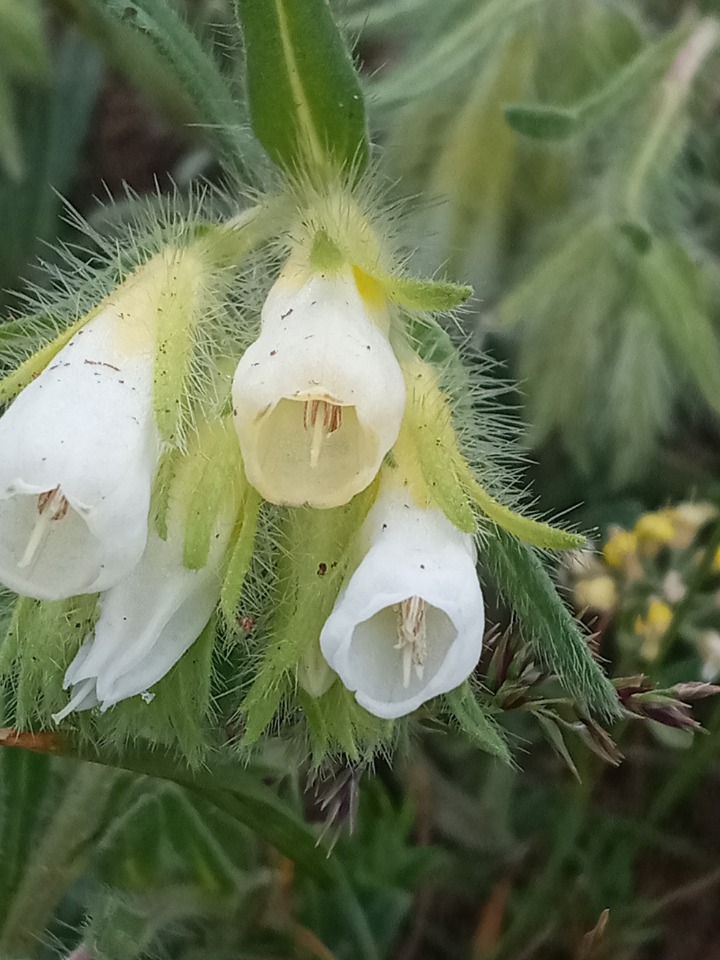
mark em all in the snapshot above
pixel 319 397
pixel 408 624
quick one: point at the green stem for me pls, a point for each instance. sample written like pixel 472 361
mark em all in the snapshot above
pixel 58 858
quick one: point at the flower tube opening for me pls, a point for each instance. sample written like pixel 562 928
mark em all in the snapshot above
pixel 397 671
pixel 320 442
pixel 319 397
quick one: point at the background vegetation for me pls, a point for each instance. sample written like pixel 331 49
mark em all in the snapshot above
pixel 562 156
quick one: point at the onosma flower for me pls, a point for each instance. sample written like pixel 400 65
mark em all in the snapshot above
pixel 408 624
pixel 146 623
pixel 78 450
pixel 319 397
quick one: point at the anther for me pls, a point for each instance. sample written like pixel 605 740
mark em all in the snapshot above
pixel 323 418
pixel 51 505
pixel 412 637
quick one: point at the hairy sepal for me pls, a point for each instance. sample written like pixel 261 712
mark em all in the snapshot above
pixel 316 553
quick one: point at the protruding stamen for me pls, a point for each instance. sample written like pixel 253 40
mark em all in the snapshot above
pixel 52 505
pixel 323 418
pixel 412 637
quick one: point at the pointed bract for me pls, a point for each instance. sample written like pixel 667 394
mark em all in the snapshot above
pixel 408 624
pixel 319 397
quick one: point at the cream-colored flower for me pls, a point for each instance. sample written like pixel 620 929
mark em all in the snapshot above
pixel 319 397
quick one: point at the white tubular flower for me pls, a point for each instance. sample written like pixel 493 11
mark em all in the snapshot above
pixel 78 450
pixel 319 397
pixel 408 624
pixel 146 623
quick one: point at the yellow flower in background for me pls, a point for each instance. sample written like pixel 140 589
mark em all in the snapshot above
pixel 596 593
pixel 716 561
pixel 652 627
pixel 621 545
pixel 654 530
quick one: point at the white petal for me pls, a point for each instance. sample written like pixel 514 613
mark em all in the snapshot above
pixel 412 553
pixel 85 426
pixel 319 341
pixel 146 623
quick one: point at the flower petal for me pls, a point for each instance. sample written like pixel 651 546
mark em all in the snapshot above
pixel 319 397
pixel 413 553
pixel 146 623
pixel 85 428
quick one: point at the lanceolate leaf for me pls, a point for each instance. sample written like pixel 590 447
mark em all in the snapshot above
pixel 221 115
pixel 554 122
pixel 546 623
pixel 305 99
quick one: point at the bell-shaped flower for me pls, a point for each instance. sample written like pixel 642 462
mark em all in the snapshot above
pixel 319 397
pixel 78 451
pixel 146 623
pixel 408 623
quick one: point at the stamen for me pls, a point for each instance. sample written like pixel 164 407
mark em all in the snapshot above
pixel 52 505
pixel 323 418
pixel 412 637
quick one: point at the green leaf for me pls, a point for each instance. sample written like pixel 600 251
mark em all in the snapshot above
pixel 477 724
pixel 305 98
pixel 546 623
pixel 632 81
pixel 23 784
pixel 414 294
pixel 10 149
pixel 543 122
pixel 195 70
pixel 24 52
pixel 670 279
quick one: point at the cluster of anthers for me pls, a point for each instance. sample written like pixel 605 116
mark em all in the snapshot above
pixel 318 402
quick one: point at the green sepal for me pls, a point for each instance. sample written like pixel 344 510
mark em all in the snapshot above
pixel 479 725
pixel 180 302
pixel 419 294
pixel 41 640
pixel 337 724
pixel 325 254
pixel 210 484
pixel 535 532
pixel 165 474
pixel 177 716
pixel 316 554
pixel 305 98
pixel 546 623
pixel 29 369
pixel 241 554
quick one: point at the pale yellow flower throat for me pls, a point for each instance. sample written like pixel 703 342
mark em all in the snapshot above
pixel 322 418
pixel 412 636
pixel 52 505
